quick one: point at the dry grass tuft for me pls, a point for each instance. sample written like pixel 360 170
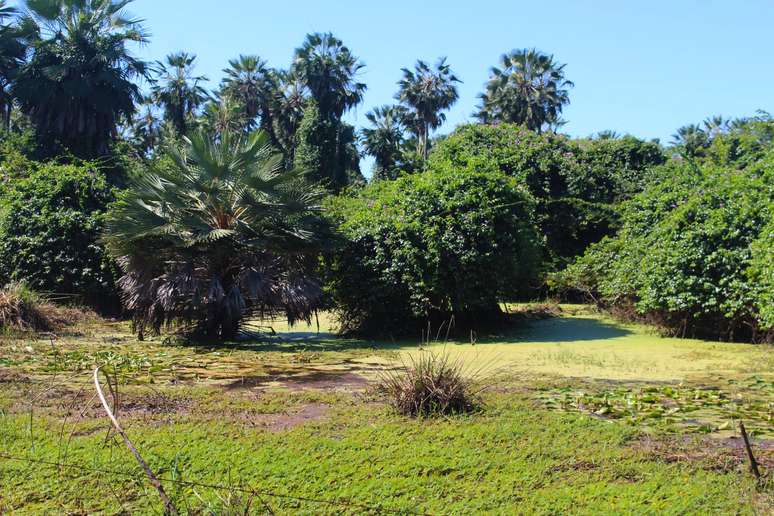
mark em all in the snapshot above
pixel 431 384
pixel 24 310
pixel 21 309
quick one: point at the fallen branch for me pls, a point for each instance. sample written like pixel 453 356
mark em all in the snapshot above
pixel 169 507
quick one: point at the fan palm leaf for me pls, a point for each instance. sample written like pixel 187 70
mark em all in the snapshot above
pixel 224 234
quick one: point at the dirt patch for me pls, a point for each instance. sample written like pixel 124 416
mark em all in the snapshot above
pixel 304 380
pixel 83 404
pixel 287 421
pixel 713 454
pixel 8 376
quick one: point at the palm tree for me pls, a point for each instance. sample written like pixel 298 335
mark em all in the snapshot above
pixel 289 96
pixel 226 234
pixel 528 88
pixel 384 141
pixel 146 128
pixel 692 139
pixel 248 81
pixel 79 81
pixel 225 114
pixel 13 50
pixel 716 125
pixel 179 90
pixel 426 92
pixel 330 71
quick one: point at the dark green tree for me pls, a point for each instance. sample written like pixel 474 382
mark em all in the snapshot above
pixel 426 92
pixel 79 82
pixel 528 88
pixel 248 81
pixel 223 233
pixel 329 70
pixel 384 140
pixel 179 90
pixel 13 50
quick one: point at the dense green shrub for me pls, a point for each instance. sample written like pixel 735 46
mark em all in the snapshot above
pixel 50 223
pixel 613 169
pixel 451 241
pixel 762 275
pixel 682 258
pixel 575 184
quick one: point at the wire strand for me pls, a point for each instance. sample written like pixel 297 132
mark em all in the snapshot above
pixel 245 490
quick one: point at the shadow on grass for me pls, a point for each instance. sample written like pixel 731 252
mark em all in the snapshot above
pixel 517 330
pixel 297 342
pixel 558 329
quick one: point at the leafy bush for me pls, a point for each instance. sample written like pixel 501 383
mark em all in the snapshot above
pixel 762 277
pixel 430 384
pixel 682 258
pixel 613 169
pixel 574 183
pixel 452 241
pixel 50 224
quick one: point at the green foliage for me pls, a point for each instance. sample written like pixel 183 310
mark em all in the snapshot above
pixel 683 254
pixel 179 91
pixel 325 150
pixel 574 184
pixel 78 83
pixel 222 233
pixel 614 169
pixel 452 241
pixel 329 69
pixel 384 140
pixel 16 149
pixel 762 275
pixel 49 230
pixel 529 88
pixel 425 93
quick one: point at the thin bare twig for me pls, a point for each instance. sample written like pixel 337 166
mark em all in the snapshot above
pixel 169 507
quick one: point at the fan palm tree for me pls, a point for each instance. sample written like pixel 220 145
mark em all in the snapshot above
pixel 179 90
pixel 527 88
pixel 79 81
pixel 384 140
pixel 426 92
pixel 286 110
pixel 692 139
pixel 225 114
pixel 13 50
pixel 248 81
pixel 227 234
pixel 716 125
pixel 330 71
pixel 146 128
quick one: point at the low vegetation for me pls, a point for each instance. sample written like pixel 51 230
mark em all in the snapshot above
pixel 293 419
pixel 431 384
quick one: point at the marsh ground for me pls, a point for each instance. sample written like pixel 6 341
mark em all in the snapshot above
pixel 582 414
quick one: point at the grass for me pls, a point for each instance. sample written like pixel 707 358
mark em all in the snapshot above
pixel 567 426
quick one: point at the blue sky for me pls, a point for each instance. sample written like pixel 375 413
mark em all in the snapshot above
pixel 643 68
